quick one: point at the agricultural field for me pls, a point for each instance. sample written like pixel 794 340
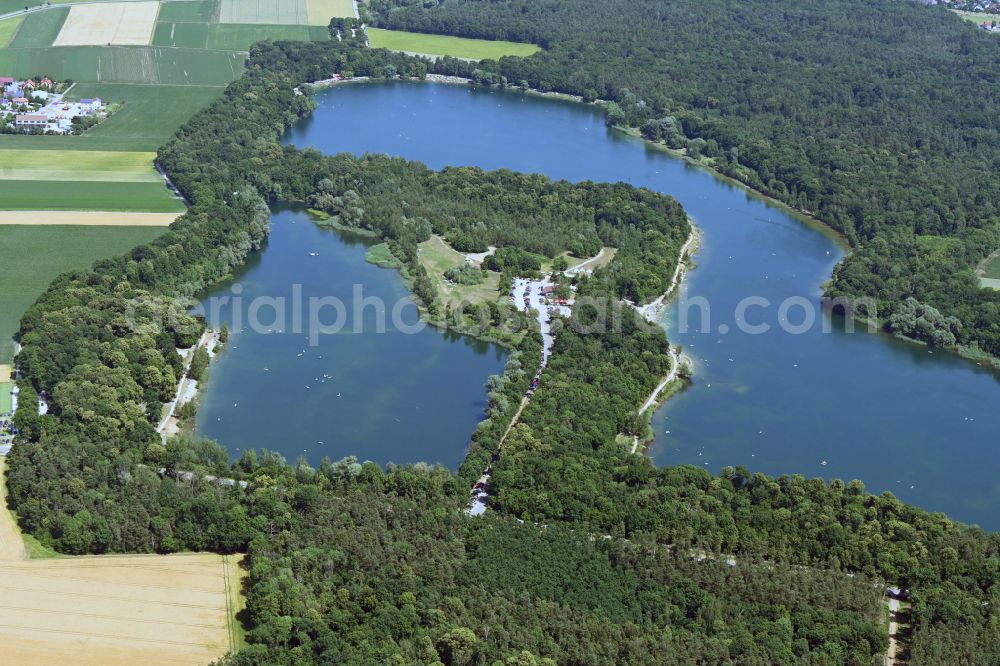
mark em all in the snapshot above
pixel 111 23
pixel 111 609
pixel 87 218
pixel 149 115
pixel 231 36
pixel 183 35
pixel 442 45
pixel 126 64
pixel 8 27
pixel 32 256
pixel 25 164
pixel 40 29
pixel 189 11
pixel 241 37
pixel 285 12
pixel 321 11
pixel 30 195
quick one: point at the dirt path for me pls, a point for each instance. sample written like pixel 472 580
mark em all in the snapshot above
pixel 895 654
pixel 583 264
pixel 168 425
pixel 86 218
pixel 12 547
pixel 651 311
pixel 651 400
pixel 890 653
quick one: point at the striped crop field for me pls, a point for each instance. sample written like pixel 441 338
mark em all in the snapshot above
pixel 79 165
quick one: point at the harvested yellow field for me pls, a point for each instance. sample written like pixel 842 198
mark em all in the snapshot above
pixel 6 373
pixel 141 609
pixel 321 11
pixel 115 23
pixel 91 218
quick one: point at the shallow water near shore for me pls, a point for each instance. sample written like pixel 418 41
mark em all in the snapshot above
pixel 819 403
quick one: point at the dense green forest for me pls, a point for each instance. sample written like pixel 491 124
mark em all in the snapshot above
pixel 616 561
pixel 878 116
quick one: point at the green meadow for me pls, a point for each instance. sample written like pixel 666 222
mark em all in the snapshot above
pixel 91 165
pixel 441 45
pixel 40 28
pixel 8 27
pixel 189 11
pixel 148 116
pixel 183 35
pixel 241 37
pixel 29 195
pixel 31 257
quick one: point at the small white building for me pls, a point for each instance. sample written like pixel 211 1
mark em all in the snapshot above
pixel 91 104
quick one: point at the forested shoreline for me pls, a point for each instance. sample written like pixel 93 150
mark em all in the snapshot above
pixel 351 563
pixel 835 108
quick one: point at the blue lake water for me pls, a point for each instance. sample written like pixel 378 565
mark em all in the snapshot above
pixel 391 396
pixel 820 403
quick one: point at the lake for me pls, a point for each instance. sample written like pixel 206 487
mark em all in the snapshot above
pixel 390 396
pixel 818 402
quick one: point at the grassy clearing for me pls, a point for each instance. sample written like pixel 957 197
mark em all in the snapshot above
pixel 441 45
pixel 992 269
pixel 84 195
pixel 40 28
pixel 23 164
pixel 437 257
pixel 989 283
pixel 285 12
pixel 184 35
pixel 125 64
pixel 321 11
pixel 235 37
pixel 31 257
pixel 8 28
pixel 197 11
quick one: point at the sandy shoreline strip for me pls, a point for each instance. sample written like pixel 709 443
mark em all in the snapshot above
pixel 86 218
